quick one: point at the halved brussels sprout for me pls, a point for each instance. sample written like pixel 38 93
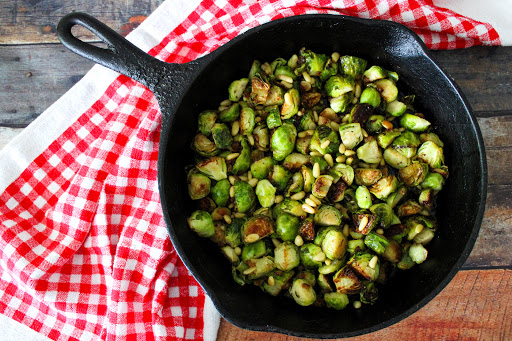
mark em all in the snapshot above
pixel 277 63
pixel 431 153
pixel 221 135
pixel 198 186
pixel 261 137
pixel 321 186
pixel 307 122
pixel 202 145
pixel 431 137
pixel 230 254
pixel 302 144
pixel 360 263
pixel 321 162
pixel 286 256
pixel 293 207
pixel 273 117
pixel 418 253
pixel 364 222
pixel 355 245
pixel 303 293
pixel 374 73
pixel 384 213
pixel 341 103
pixel 413 174
pixel 370 294
pixel 336 300
pixel 330 69
pixel 308 255
pixel 426 198
pixel 374 124
pixel 206 204
pixel 275 96
pixel 284 70
pixel 367 176
pixel 243 161
pixel 279 177
pixel 342 171
pixel 307 276
pixel 261 168
pixel 396 108
pixel 247 120
pixel 218 213
pixel 321 234
pixel 395 159
pixel 425 236
pixel 291 104
pixel 236 89
pixel 215 168
pixel 281 280
pixel 244 196
pixel 324 283
pixel 296 184
pixel 328 215
pixel 414 123
pixel 406 262
pixel 371 96
pixel 337 191
pixel 220 192
pixel 395 197
pixel 351 135
pixel 313 62
pixel 307 229
pixel 369 152
pixel 347 282
pixel 360 113
pixel 220 234
pixel 266 193
pixel 295 161
pixel 262 266
pixel 287 226
pixel 334 244
pixel 393 252
pixel 363 197
pixel 309 99
pixel 309 179
pixel 205 121
pixel 335 265
pixel 385 138
pixel 230 114
pixel 384 187
pixel 233 232
pixel 376 242
pixel 410 207
pixel 433 181
pixel 387 89
pixel 260 89
pixel 201 222
pixel 407 143
pixel 322 134
pixel 256 228
pixel 352 66
pixel 255 68
pixel 337 86
pixel 283 141
pixel 254 250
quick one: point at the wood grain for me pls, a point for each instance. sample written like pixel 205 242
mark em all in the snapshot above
pixel 35 21
pixel 476 305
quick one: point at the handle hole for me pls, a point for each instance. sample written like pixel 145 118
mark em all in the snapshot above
pixel 83 34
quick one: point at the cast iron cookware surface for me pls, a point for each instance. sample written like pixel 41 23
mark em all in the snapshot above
pixel 184 90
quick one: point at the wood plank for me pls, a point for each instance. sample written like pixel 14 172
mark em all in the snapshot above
pixel 35 21
pixel 476 305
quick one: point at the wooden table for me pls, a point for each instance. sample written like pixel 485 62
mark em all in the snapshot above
pixel 476 305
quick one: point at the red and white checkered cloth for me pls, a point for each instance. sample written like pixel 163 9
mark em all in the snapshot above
pixel 84 253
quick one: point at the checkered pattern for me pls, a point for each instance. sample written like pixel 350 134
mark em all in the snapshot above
pixel 84 250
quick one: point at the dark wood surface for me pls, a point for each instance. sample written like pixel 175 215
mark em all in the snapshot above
pixel 477 303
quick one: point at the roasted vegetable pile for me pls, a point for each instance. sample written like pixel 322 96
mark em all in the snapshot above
pixel 317 178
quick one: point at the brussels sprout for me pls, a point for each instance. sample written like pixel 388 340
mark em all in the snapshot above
pixel 244 196
pixel 324 283
pixel 247 120
pixel 363 197
pixel 385 138
pixel 202 145
pixel 384 187
pixel 393 252
pixel 296 184
pixel 410 207
pixel 406 262
pixel 286 256
pixel 337 86
pixel 334 244
pixel 295 161
pixel 262 266
pixel 352 66
pixel 414 123
pixel 384 213
pixel 347 282
pixel 261 169
pixel 280 282
pixel 201 222
pixel 396 108
pixel 396 232
pixel 291 103
pixel 307 229
pixel 230 114
pixel 307 122
pixel 309 253
pixel 431 153
pixel 206 204
pixel 431 137
pixel 412 224
pixel 335 265
pixel 215 168
pixel 322 134
pixel 407 144
pixel 355 245
pixel 336 300
pixel 387 89
pixel 236 89
pixel 243 161
pixel 418 253
pixel 433 181
pixel 302 144
pixel 395 159
pixel 260 89
pixel 321 186
pixel 426 198
pixel 261 137
pixel 292 207
pixel 364 222
pixel 221 135
pixel 302 293
pixel 219 235
pixel 369 152
pixel 254 250
pixel 321 234
pixel 376 242
pixel 255 69
pixel 275 96
pixel 205 122
pixel 198 186
pixel 374 124
pixel 374 73
pixel 279 177
pixel 443 171
pixel 284 70
pixel 266 193
pixel 313 62
pixel 273 117
pixel 371 96
pixel 367 176
pixel 351 135
pixel 321 162
pixel 337 191
pixel 370 294
pixel 360 263
pixel 328 215
pixel 309 179
pixel 277 63
pixel 233 232
pixel 256 228
pixel 425 236
pixel 360 113
pixel 283 141
pixel 287 226
pixel 413 174
pixel 395 197
pixel 340 104
pixel 343 172
pixel 218 213
pixel 307 276
pixel 230 254
pixel 330 69
pixel 220 192
pixel 264 211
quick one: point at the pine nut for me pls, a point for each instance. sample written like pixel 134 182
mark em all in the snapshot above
pixel 232 179
pixel 342 148
pixel 341 159
pixel 345 118
pixel 355 100
pixel 306 76
pixel 249 175
pixel 328 262
pixel 302 134
pixel 325 144
pixel 357 304
pixel 308 209
pixel 235 128
pixel 266 68
pixel 315 199
pixel 298 240
pixel 239 215
pixel 258 119
pixel 249 271
pixel 287 85
pixel 349 152
pixel 232 191
pixel 232 156
pixel 315 153
pixel 338 206
pixel 253 182
pixel 349 161
pixel 285 78
pixel 357 92
pixel 276 242
pixel 335 126
pixel 365 134
pixel 227 219
pixel 226 103
pixel 362 223
pixel 316 170
pixel 380 231
pixel 251 139
pixel 388 125
pixel 271 281
pixel 320 257
pixel 346 231
pixel 373 262
pixel 278 199
pixel 419 228
pixel 310 131
pixel 315 115
pixel 292 62
pixel 298 196
pixel 243 178
pixel 310 202
pixel 253 237
pixel 231 205
pixel 238 251
pixel 335 57
pixel 329 159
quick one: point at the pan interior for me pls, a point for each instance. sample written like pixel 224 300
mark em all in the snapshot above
pixel 459 204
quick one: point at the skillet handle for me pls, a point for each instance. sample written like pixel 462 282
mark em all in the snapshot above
pixel 121 55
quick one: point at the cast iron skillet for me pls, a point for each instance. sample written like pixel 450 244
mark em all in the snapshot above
pixel 185 90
